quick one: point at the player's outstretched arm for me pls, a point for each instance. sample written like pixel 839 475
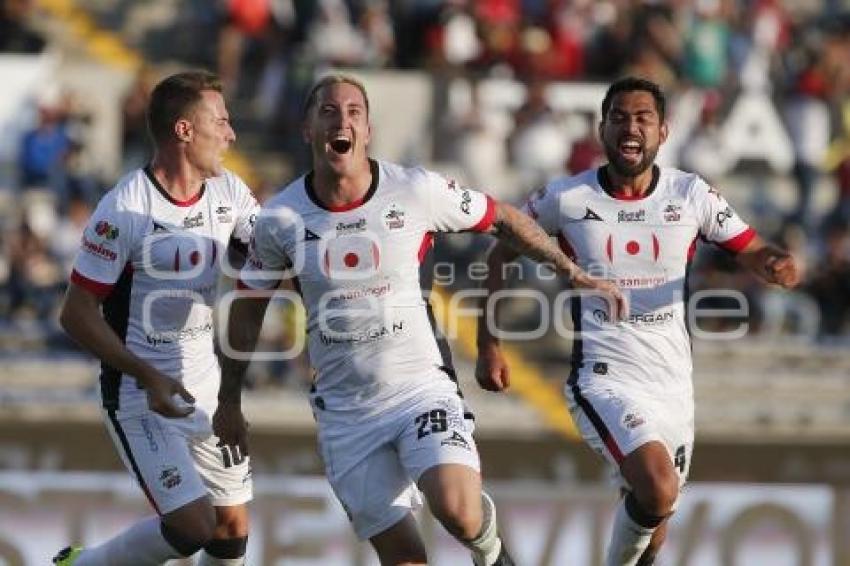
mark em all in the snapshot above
pixel 770 263
pixel 244 322
pixel 526 237
pixel 81 318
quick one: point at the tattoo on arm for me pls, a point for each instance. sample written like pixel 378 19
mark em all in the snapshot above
pixel 524 235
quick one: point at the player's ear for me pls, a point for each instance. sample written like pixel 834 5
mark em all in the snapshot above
pixel 183 130
pixel 662 132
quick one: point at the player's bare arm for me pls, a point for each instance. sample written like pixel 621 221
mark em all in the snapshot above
pixel 245 320
pixel 519 234
pixel 82 320
pixel 526 237
pixel 770 263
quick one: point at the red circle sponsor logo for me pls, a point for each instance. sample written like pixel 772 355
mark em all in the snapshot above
pixel 351 259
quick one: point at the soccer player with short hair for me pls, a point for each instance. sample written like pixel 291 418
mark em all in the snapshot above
pixel 141 299
pixel 636 224
pixel 353 233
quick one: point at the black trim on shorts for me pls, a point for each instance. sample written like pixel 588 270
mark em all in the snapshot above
pixel 119 432
pixel 116 312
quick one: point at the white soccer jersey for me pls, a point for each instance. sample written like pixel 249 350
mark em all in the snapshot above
pixel 645 245
pixel 370 339
pixel 156 262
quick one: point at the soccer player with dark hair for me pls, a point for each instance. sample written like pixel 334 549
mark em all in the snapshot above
pixel 635 224
pixel 141 299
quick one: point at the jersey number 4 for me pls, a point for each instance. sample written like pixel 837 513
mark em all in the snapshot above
pixel 435 418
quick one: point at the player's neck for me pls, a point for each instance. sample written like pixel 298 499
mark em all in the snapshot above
pixel 630 187
pixel 179 179
pixel 336 190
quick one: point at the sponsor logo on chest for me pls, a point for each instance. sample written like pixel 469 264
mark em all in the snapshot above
pixel 195 221
pixel 631 216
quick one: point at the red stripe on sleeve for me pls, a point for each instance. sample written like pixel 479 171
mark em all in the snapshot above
pixel 739 242
pixel 96 287
pixel 489 215
pixel 425 246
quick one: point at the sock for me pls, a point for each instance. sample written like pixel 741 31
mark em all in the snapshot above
pixel 207 560
pixel 631 534
pixel 487 545
pixel 224 552
pixel 140 545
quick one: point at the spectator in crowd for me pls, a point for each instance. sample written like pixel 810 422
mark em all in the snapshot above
pixel 43 148
pixel 16 34
pixel 829 284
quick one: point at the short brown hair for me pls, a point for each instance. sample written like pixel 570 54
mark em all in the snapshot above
pixel 328 80
pixel 173 97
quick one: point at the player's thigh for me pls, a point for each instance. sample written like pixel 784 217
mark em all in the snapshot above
pixel 437 430
pixel 615 422
pixel 364 470
pixel 157 454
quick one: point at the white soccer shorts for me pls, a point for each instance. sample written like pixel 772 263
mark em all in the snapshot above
pixel 176 461
pixel 372 464
pixel 615 420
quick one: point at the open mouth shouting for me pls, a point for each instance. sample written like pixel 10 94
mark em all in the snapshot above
pixel 631 149
pixel 340 144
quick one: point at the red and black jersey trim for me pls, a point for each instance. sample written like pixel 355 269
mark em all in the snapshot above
pixel 613 192
pixel 314 198
pixel 161 190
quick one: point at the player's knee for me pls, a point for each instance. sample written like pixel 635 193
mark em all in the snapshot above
pixel 658 496
pixel 189 529
pixel 232 523
pixel 461 518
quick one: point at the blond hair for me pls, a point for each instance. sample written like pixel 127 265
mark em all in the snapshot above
pixel 329 80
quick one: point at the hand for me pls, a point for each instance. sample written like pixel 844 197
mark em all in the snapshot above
pixel 610 291
pixel 782 270
pixel 161 390
pixel 230 427
pixel 491 370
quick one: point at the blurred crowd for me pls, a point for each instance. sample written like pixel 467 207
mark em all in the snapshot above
pixel 268 52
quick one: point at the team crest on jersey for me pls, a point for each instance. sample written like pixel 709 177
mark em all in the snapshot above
pixel 106 230
pixel 169 477
pixel 393 217
pixel 224 215
pixel 672 212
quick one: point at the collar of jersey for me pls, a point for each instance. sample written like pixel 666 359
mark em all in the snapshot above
pixel 188 202
pixel 605 183
pixel 311 191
